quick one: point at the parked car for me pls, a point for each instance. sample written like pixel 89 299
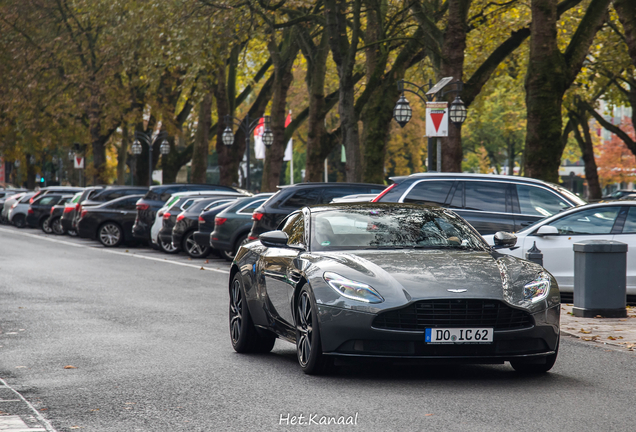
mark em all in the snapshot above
pixel 156 197
pixel 67 220
pixel 87 194
pixel 18 211
pixel 556 235
pixel 109 193
pixel 40 209
pixel 391 281
pixel 619 194
pixel 169 218
pixel 57 211
pixel 229 229
pixel 290 198
pixel 490 203
pixel 8 201
pixel 187 223
pixel 111 222
pixel 65 190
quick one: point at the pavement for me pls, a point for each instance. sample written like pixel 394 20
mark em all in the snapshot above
pixel 617 332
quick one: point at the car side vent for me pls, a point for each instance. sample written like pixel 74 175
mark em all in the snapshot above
pixel 454 313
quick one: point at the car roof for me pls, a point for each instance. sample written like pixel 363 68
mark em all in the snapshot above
pixel 166 186
pixel 329 184
pixel 116 200
pixel 370 205
pixel 469 175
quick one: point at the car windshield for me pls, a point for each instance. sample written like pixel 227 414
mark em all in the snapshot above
pixel 392 228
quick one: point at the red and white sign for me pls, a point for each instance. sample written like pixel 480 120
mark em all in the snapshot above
pixel 78 162
pixel 436 119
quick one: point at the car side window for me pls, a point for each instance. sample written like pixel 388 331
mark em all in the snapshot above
pixel 168 192
pixel 630 222
pixel 592 221
pixel 485 196
pixel 251 207
pixel 429 192
pixel 539 202
pixel 48 200
pixel 329 193
pixel 303 197
pixel 458 196
pixel 295 229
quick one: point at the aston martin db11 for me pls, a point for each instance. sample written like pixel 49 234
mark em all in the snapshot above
pixel 391 281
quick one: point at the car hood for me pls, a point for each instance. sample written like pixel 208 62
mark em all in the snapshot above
pixel 404 275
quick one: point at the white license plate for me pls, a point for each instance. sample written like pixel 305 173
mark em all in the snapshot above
pixel 458 335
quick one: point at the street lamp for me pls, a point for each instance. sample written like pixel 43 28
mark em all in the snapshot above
pixel 402 112
pixel 149 141
pixel 247 126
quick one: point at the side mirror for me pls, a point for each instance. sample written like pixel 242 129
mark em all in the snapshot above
pixel 273 239
pixel 547 230
pixel 504 240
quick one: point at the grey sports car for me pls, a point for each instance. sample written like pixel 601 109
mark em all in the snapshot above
pixel 391 281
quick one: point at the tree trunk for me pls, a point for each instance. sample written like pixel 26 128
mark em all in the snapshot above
pixel 587 149
pixel 453 65
pixel 122 155
pixel 98 142
pixel 202 142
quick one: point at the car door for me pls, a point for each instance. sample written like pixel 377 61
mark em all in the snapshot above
pixel 487 206
pixel 128 212
pixel 278 265
pixel 594 223
pixel 628 235
pixel 533 203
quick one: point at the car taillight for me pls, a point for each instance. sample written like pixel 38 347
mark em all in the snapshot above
pixel 180 217
pixel 78 207
pixel 201 219
pixel 69 209
pixel 384 192
pixel 166 215
pixel 257 216
pixel 252 238
pixel 219 221
pixel 143 206
pixel 83 213
pixel 51 212
pixel 15 204
pixel 30 211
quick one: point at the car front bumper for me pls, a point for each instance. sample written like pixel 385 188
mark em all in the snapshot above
pixel 350 333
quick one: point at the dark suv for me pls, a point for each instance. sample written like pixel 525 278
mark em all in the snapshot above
pixel 156 197
pixel 490 203
pixel 290 198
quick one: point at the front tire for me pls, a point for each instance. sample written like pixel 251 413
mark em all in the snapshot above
pixel 19 220
pixel 531 368
pixel 167 247
pixel 56 226
pixel 46 226
pixel 110 234
pixel 244 336
pixel 192 248
pixel 308 342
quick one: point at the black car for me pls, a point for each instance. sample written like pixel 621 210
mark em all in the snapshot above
pixel 187 223
pixel 156 197
pixel 110 193
pixel 396 282
pixel 229 229
pixel 490 203
pixel 183 203
pixel 40 210
pixel 111 223
pixel 54 222
pixel 71 217
pixel 290 198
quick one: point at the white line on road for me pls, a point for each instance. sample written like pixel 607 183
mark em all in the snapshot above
pixel 46 424
pixel 127 254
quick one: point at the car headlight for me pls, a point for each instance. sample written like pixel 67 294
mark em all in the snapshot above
pixel 351 289
pixel 538 289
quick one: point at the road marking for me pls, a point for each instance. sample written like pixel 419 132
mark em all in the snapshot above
pixel 127 254
pixel 47 425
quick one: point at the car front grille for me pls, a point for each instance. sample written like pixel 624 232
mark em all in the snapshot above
pixel 454 313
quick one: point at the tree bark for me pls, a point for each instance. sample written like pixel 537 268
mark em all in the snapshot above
pixel 587 150
pixel 549 75
pixel 201 141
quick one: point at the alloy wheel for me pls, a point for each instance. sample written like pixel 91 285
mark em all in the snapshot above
pixel 305 329
pixel 19 221
pixel 72 232
pixel 236 311
pixel 192 248
pixel 57 226
pixel 46 227
pixel 168 247
pixel 110 235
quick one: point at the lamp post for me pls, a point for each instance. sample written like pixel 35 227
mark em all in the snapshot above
pixel 149 141
pixel 247 126
pixel 456 113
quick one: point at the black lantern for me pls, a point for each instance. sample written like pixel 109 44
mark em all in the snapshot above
pixel 268 135
pixel 402 112
pixel 136 148
pixel 165 147
pixel 228 136
pixel 457 111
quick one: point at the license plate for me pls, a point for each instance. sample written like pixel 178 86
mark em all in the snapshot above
pixel 458 335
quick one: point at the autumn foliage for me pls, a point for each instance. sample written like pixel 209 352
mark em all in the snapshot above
pixel 617 164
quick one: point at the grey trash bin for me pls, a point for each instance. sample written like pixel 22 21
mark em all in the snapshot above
pixel 600 273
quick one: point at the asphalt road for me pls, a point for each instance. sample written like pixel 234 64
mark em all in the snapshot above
pixel 135 340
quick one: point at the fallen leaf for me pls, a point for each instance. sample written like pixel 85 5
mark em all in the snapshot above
pixel 207 261
pixel 611 338
pixel 126 250
pixel 428 415
pixel 69 367
pixel 598 316
pixel 570 313
pixel 585 331
pixel 96 409
pixel 201 268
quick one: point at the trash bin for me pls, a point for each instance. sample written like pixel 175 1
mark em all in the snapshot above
pixel 600 273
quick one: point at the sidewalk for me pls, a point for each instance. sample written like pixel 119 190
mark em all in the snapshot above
pixel 618 332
